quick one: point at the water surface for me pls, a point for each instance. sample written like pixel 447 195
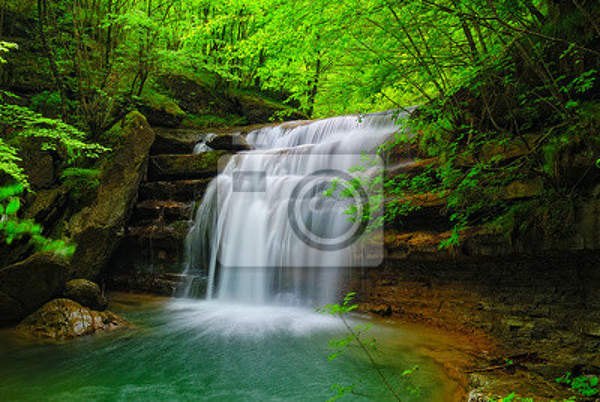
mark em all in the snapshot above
pixel 200 350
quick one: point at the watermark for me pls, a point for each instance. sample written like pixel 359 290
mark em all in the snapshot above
pixel 299 210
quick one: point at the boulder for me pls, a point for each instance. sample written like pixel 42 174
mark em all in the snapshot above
pixel 28 284
pixel 192 166
pixel 86 293
pixel 258 109
pixel 175 141
pixel 202 98
pixel 98 228
pixel 160 110
pixel 229 142
pixel 62 319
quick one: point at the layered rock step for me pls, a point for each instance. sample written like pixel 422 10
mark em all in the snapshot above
pixel 184 141
pixel 186 166
pixel 161 211
pixel 182 163
pixel 166 284
pixel 177 190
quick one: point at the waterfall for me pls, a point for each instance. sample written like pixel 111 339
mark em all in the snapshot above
pixel 249 240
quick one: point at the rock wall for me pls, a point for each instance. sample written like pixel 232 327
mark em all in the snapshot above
pixel 97 229
pixel 538 299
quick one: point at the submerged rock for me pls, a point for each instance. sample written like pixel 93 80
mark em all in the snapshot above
pixel 67 319
pixel 86 293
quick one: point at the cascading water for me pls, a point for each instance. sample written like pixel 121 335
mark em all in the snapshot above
pixel 258 249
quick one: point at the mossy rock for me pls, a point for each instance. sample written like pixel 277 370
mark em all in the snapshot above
pixel 98 228
pixel 192 166
pixel 62 319
pixel 160 110
pixel 258 109
pixel 179 190
pixel 86 293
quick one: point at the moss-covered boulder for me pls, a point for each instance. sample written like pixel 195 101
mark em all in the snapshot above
pixel 258 109
pixel 66 319
pixel 160 110
pixel 86 293
pixel 98 228
pixel 192 166
pixel 206 103
pixel 28 284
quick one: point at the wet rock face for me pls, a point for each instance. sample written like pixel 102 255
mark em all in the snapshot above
pixel 62 319
pixel 544 307
pixel 86 293
pixel 229 142
pixel 179 190
pixel 28 284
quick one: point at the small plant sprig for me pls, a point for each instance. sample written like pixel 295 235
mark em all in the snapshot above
pixel 14 228
pixel 357 335
pixel 584 385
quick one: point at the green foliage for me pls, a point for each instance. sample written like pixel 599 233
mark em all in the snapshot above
pixel 6 47
pixel 80 181
pixel 512 397
pixel 19 123
pixel 344 308
pixel 9 163
pixel 48 103
pixel 13 228
pixel 584 385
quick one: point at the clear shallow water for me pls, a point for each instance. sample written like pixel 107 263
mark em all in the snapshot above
pixel 197 350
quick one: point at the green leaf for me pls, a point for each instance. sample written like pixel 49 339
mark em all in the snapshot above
pixel 13 206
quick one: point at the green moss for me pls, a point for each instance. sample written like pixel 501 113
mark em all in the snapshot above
pixel 211 120
pixel 156 100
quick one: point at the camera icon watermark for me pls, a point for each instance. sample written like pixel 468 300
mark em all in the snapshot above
pixel 300 210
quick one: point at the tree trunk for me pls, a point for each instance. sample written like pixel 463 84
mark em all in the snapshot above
pixel 42 10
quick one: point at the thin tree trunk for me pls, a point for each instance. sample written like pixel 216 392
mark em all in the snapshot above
pixel 42 10
pixel 315 87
